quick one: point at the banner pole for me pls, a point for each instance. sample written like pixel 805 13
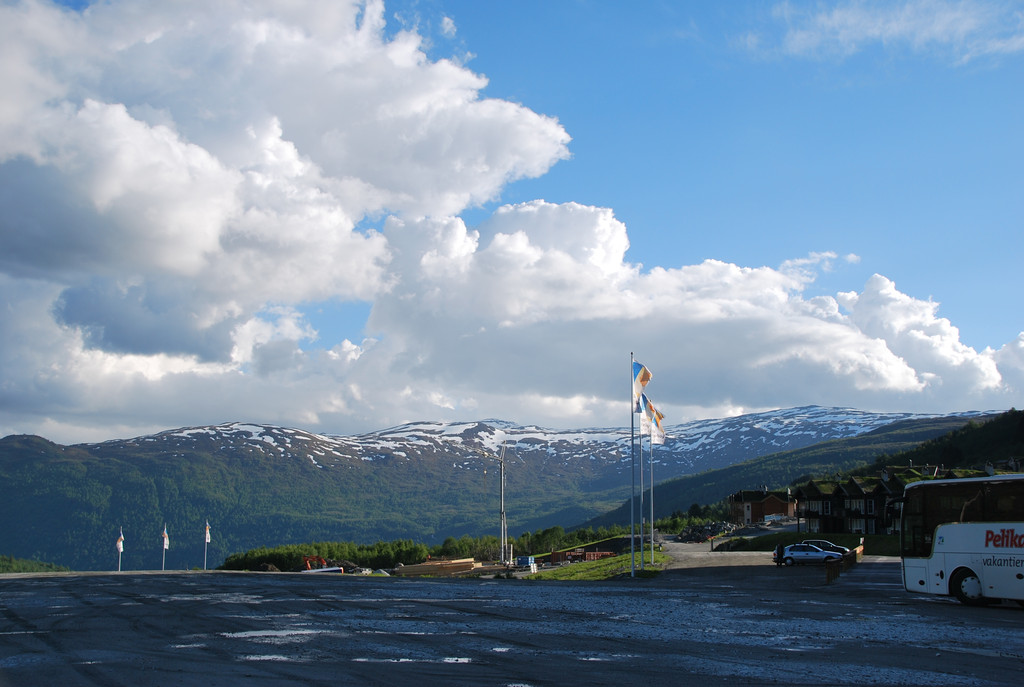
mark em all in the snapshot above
pixel 652 498
pixel 632 453
pixel 640 505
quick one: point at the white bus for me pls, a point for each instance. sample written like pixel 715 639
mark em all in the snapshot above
pixel 965 538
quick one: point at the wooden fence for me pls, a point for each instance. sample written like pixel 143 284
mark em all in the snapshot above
pixel 833 569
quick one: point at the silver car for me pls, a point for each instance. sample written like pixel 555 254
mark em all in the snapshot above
pixel 807 553
pixel 826 545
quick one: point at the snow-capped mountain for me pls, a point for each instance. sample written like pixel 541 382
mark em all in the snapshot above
pixel 690 447
pixel 265 485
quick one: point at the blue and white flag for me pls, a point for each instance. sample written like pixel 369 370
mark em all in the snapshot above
pixel 641 376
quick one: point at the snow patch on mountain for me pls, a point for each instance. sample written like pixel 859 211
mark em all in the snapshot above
pixel 604 453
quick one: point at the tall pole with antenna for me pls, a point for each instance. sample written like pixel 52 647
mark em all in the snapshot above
pixel 504 525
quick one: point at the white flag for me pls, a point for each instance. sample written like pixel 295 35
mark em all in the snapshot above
pixel 207 531
pixel 650 420
pixel 120 542
pixel 167 540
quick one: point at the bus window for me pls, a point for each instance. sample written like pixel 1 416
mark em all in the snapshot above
pixel 916 533
pixel 1004 503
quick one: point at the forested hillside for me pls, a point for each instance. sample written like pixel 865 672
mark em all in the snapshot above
pixel 975 445
pixel 829 458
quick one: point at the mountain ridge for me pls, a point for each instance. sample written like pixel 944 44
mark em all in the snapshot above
pixel 262 484
pixel 711 442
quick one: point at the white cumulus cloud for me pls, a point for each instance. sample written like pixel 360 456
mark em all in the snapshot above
pixel 181 183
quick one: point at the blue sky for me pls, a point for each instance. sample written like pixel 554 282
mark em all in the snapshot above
pixel 341 216
pixel 908 157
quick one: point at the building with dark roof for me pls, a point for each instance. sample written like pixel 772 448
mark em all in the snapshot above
pixel 855 505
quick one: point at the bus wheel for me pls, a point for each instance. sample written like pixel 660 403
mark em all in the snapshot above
pixel 966 587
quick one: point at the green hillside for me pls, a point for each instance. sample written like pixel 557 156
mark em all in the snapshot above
pixel 10 564
pixel 825 460
pixel 76 500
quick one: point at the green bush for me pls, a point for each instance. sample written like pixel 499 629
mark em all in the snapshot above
pixel 10 564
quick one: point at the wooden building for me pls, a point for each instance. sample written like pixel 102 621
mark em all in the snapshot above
pixel 751 506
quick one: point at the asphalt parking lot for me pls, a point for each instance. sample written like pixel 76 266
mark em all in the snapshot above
pixel 741 623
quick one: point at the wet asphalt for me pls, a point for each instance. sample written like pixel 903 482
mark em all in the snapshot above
pixel 734 620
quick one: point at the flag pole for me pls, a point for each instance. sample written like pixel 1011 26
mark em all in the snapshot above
pixel 632 453
pixel 163 550
pixel 640 505
pixel 206 543
pixel 652 495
